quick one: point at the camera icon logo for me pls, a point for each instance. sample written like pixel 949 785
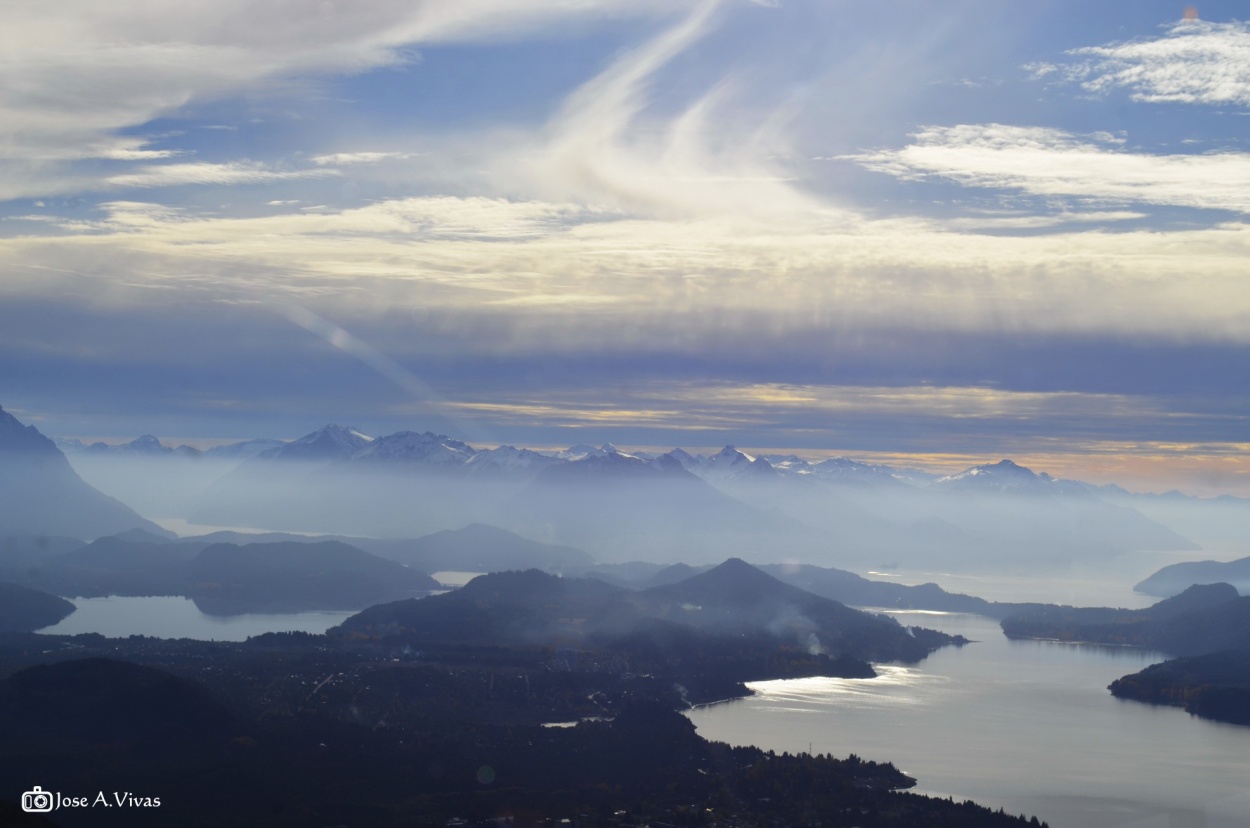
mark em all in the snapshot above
pixel 37 801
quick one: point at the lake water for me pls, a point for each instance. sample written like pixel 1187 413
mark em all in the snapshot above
pixel 177 617
pixel 1026 726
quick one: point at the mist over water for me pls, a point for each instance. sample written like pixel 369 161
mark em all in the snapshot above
pixel 1028 726
pixel 1107 583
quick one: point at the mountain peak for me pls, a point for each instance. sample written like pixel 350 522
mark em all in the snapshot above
pixel 425 448
pixel 733 579
pixel 17 437
pixel 1005 475
pixel 330 442
pixel 147 444
pixel 41 494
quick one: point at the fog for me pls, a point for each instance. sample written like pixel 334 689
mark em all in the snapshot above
pixel 619 507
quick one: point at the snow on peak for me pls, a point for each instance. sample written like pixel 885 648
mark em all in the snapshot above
pixel 729 454
pixel 508 459
pixel 581 451
pixel 1008 476
pixel 336 433
pixel 412 447
pixel 333 442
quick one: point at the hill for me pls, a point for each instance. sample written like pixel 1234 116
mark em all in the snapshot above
pixel 99 700
pixel 1214 686
pixel 27 609
pixel 1202 619
pixel 479 547
pixel 736 598
pixel 731 602
pixel 288 577
pixel 227 579
pixel 1176 578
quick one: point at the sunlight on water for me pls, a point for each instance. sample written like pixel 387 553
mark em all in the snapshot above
pixel 894 687
pixel 1027 726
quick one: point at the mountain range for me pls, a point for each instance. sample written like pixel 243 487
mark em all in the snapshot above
pixel 621 506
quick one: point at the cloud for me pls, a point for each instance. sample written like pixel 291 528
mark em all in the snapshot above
pixel 348 158
pixel 1194 62
pixel 238 172
pixel 83 71
pixel 563 276
pixel 1042 161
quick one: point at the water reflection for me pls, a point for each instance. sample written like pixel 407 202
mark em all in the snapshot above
pixel 1024 725
pixel 178 617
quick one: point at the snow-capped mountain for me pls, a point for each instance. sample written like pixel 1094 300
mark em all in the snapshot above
pixel 333 442
pixel 1008 476
pixel 728 465
pixel 508 460
pixel 581 451
pixel 608 463
pixel 846 470
pixel 409 447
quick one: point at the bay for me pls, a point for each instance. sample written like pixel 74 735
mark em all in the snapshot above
pixel 1023 725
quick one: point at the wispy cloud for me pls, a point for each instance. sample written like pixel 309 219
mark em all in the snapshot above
pixel 1050 162
pixel 238 172
pixel 348 158
pixel 81 72
pixel 1194 62
pixel 605 147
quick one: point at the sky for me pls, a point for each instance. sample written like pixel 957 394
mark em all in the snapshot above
pixel 924 233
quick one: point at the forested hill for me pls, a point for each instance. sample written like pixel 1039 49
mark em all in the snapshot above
pixel 1214 686
pixel 1203 619
pixel 533 608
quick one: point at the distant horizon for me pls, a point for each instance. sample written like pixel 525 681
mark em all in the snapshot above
pixel 931 232
pixel 1064 466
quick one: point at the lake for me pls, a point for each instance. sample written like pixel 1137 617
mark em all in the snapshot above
pixel 1026 726
pixel 178 617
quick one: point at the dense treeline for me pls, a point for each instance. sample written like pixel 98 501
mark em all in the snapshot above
pixel 1214 686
